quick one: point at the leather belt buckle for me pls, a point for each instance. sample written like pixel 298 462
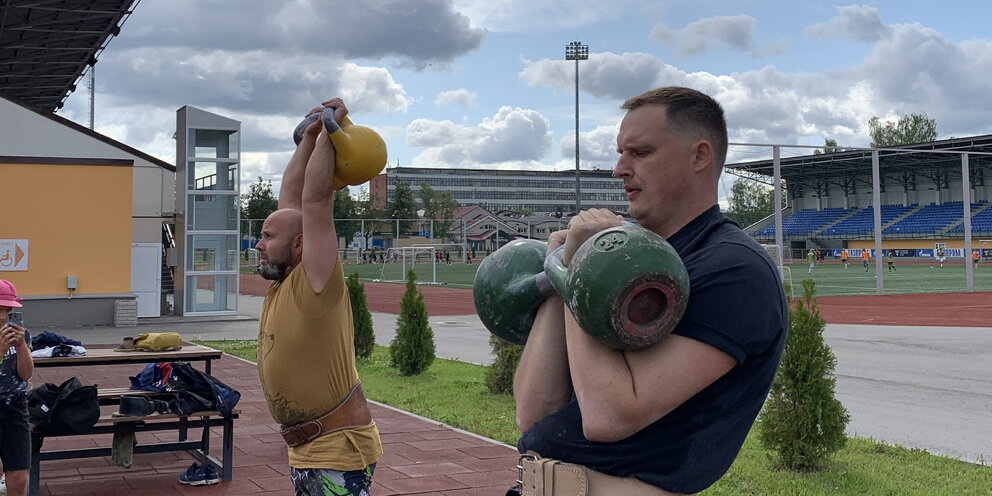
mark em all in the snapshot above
pixel 520 465
pixel 296 435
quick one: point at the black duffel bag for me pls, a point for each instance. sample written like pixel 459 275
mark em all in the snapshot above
pixel 69 408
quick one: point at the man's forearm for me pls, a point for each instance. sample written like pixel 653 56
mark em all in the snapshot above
pixel 318 186
pixel 542 384
pixel 291 190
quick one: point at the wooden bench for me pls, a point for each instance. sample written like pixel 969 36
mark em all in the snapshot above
pixel 109 424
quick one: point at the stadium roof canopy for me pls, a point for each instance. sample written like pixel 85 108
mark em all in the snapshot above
pixel 45 45
pixel 853 166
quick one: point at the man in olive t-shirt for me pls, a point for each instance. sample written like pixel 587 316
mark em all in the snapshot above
pixel 306 356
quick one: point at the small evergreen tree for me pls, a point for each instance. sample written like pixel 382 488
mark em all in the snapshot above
pixel 802 420
pixel 364 333
pixel 412 350
pixel 499 374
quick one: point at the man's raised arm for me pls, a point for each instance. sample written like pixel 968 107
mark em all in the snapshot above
pixel 291 189
pixel 320 245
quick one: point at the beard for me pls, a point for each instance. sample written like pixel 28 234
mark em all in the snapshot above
pixel 276 269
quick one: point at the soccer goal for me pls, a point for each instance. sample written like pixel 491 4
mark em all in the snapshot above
pixel 422 259
pixel 775 251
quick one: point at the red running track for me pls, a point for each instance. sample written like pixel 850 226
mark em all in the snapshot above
pixel 934 309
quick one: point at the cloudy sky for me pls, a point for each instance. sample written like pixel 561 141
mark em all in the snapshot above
pixel 484 83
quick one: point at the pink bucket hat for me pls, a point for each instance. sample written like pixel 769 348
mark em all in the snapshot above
pixel 8 294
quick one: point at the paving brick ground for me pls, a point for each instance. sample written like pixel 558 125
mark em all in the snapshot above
pixel 421 456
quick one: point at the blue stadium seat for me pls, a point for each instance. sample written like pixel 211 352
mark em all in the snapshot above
pixel 928 220
pixel 805 222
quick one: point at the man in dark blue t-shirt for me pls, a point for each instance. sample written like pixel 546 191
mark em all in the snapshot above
pixel 670 418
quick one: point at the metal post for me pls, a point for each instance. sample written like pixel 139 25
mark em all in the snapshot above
pixel 577 51
pixel 876 201
pixel 777 171
pixel 966 196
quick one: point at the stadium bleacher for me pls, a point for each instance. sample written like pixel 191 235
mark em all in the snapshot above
pixel 980 222
pixel 928 219
pixel 806 221
pixel 862 222
pixel 920 221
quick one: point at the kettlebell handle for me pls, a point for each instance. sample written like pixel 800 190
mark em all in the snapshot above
pixel 554 265
pixel 330 125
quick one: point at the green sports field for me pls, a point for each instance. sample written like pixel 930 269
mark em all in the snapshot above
pixel 831 278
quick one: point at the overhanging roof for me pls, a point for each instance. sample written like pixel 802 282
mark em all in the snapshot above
pixel 856 163
pixel 45 45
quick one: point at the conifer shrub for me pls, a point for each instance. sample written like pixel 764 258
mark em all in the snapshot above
pixel 499 374
pixel 362 317
pixel 802 420
pixel 412 350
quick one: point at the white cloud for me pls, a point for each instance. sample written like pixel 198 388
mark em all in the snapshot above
pixel 700 36
pixel 512 135
pixel 419 31
pixel 461 96
pixel 597 148
pixel 604 75
pixel 857 22
pixel 527 15
pixel 912 69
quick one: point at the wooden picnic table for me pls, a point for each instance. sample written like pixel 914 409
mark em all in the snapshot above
pixel 108 424
pixel 107 356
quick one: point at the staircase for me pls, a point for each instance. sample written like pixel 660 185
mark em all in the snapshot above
pixel 168 242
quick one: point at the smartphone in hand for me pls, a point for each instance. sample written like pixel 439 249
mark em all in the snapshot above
pixel 15 318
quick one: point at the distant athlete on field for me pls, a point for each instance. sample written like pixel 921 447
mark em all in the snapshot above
pixel 811 258
pixel 843 257
pixel 891 267
pixel 864 258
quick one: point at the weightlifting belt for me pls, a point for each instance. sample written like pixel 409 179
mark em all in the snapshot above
pixel 549 477
pixel 351 413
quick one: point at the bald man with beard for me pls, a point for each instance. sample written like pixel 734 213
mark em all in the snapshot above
pixel 306 354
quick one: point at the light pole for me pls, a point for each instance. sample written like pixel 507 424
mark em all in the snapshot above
pixel 577 51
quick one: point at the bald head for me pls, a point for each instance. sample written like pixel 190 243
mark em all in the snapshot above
pixel 281 245
pixel 287 220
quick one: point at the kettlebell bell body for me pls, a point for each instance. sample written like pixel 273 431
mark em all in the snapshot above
pixel 625 286
pixel 360 153
pixel 508 288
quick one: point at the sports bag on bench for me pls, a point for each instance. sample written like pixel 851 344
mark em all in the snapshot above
pixel 198 391
pixel 69 408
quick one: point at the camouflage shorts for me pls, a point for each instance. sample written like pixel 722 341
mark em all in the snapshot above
pixel 325 482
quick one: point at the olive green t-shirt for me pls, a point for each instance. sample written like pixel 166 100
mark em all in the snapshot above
pixel 306 364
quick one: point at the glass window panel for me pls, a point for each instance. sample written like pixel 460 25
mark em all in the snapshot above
pixel 213 143
pixel 212 212
pixel 217 293
pixel 212 176
pixel 212 252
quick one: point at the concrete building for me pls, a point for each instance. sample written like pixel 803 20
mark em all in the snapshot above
pixel 82 212
pixel 542 192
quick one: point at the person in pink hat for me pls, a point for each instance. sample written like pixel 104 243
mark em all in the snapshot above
pixel 16 368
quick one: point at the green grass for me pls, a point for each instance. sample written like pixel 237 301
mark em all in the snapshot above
pixel 833 279
pixel 454 393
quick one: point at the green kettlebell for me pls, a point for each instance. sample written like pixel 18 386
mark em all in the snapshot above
pixel 509 287
pixel 626 286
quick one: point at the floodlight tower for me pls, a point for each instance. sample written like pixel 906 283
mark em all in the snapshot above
pixel 577 51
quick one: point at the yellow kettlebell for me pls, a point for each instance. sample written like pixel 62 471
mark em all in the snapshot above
pixel 360 151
